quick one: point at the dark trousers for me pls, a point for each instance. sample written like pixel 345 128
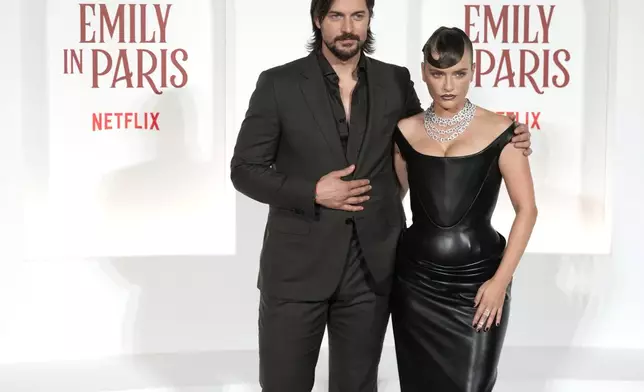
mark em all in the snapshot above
pixel 291 332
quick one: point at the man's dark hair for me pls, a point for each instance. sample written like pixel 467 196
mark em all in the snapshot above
pixel 320 9
pixel 450 43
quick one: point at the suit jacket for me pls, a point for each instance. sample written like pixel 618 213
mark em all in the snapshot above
pixel 287 142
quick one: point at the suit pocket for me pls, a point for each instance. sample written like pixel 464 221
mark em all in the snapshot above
pixel 286 222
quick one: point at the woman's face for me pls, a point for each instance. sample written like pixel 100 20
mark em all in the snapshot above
pixel 448 87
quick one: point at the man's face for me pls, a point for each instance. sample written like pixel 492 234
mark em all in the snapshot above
pixel 344 28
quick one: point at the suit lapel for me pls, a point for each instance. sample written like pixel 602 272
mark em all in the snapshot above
pixel 315 95
pixel 377 105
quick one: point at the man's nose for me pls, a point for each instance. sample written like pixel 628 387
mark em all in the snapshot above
pixel 347 25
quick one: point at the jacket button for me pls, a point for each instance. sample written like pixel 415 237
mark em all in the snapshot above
pixel 348 221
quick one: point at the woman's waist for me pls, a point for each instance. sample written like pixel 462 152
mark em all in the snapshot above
pixel 459 245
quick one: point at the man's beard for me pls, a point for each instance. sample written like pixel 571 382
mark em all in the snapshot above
pixel 344 55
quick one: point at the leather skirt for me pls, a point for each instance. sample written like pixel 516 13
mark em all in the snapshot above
pixel 437 347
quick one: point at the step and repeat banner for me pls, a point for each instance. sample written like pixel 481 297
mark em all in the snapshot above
pixel 132 138
pixel 128 122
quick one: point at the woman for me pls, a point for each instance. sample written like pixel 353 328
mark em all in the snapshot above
pixel 452 295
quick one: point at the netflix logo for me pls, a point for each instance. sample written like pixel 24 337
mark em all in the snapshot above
pixel 513 47
pixel 530 119
pixel 148 121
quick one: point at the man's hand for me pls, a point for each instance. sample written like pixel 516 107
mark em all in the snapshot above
pixel 522 137
pixel 332 191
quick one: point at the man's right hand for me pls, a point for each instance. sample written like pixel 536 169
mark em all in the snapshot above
pixel 332 191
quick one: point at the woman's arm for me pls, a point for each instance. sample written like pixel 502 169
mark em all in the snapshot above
pixel 401 171
pixel 490 297
pixel 515 169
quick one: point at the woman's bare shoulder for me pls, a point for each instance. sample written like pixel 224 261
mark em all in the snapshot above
pixel 492 124
pixel 411 125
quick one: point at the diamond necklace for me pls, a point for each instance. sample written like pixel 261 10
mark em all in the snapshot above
pixel 458 122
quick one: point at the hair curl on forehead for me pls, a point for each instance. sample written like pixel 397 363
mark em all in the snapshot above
pixel 449 44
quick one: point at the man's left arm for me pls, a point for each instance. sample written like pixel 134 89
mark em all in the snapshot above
pixel 412 103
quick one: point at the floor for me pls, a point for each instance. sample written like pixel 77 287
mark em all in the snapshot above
pixel 525 369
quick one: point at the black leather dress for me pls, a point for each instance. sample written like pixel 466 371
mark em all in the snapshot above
pixel 448 252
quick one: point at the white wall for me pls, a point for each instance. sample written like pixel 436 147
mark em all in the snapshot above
pixel 74 324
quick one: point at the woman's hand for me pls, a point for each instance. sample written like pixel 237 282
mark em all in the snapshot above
pixel 489 300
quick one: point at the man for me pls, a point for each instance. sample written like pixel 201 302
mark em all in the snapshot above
pixel 316 146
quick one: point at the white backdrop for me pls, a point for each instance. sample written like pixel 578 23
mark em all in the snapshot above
pixel 172 305
pixel 153 183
